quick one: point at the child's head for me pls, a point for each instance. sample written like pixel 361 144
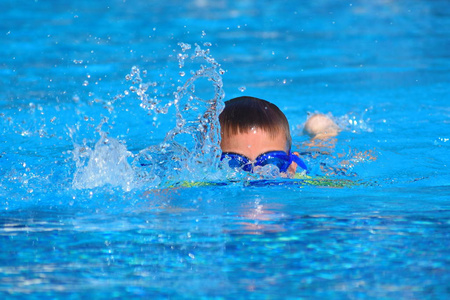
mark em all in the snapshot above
pixel 255 133
pixel 260 125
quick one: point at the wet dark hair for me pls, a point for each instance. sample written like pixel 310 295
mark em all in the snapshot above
pixel 241 114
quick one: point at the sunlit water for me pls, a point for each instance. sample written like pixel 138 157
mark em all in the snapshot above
pixel 109 133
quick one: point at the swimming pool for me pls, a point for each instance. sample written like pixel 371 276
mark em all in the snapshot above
pixel 70 75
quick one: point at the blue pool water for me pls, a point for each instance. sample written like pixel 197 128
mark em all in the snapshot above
pixel 84 89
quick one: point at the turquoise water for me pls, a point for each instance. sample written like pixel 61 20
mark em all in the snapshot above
pixel 84 91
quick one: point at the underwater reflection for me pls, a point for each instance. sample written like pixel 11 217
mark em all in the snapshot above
pixel 258 219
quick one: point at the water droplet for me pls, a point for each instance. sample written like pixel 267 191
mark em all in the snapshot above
pixel 85 83
pixel 242 88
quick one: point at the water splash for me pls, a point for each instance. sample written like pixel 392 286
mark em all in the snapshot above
pixel 189 152
pixel 105 164
pixel 355 122
pixel 143 90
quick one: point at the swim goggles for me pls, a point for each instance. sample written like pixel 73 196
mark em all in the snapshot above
pixel 280 159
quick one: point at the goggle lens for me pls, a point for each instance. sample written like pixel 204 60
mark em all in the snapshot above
pixel 277 158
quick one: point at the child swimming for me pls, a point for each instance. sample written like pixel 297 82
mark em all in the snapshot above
pixel 255 133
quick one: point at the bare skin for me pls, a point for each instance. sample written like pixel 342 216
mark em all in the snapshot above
pixel 253 143
pixel 257 141
pixel 322 131
pixel 320 126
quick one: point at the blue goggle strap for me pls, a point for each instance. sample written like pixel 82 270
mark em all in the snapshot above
pixel 298 161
